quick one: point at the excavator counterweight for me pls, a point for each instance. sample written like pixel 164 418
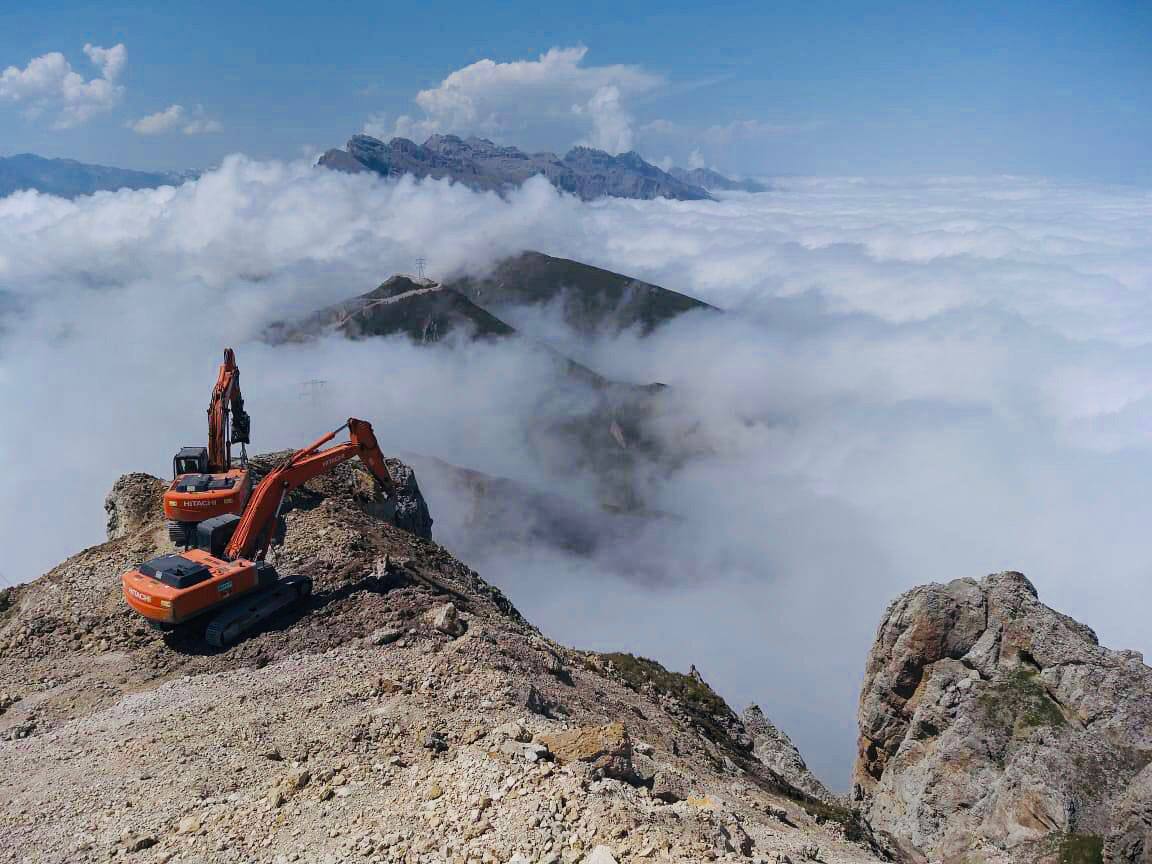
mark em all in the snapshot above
pixel 227 574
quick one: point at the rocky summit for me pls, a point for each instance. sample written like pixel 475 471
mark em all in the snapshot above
pixel 589 300
pixel 418 308
pixel 408 714
pixel 480 164
pixel 995 729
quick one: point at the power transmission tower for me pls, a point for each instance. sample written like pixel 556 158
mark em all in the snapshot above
pixel 420 262
pixel 312 389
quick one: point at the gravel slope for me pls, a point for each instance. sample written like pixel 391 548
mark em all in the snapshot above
pixel 410 714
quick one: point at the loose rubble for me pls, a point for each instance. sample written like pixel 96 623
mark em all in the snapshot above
pixel 409 714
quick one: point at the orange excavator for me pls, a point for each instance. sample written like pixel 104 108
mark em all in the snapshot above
pixel 225 576
pixel 205 484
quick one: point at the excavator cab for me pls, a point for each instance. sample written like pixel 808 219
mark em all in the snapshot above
pixel 190 460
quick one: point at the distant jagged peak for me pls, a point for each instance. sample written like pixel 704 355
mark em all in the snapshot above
pixel 473 145
pixel 486 166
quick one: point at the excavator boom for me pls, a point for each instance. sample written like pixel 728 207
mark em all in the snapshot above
pixel 254 532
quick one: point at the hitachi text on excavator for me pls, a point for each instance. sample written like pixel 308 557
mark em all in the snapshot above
pixel 205 484
pixel 225 578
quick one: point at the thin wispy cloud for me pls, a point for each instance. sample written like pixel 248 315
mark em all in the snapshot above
pixel 706 146
pixel 176 118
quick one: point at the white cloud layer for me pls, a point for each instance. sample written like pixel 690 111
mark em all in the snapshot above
pixel 927 379
pixel 176 117
pixel 551 101
pixel 49 85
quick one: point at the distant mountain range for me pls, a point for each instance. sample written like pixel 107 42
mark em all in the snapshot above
pixel 480 164
pixel 475 162
pixel 69 178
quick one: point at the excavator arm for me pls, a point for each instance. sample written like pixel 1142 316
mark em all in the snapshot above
pixel 228 422
pixel 254 532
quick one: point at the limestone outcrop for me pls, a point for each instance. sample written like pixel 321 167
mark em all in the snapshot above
pixel 995 729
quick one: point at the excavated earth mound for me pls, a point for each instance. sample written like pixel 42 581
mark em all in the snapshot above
pixel 995 729
pixel 408 714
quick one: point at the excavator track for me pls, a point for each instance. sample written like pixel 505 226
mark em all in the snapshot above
pixel 247 613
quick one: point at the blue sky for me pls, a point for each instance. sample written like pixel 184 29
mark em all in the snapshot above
pixel 833 88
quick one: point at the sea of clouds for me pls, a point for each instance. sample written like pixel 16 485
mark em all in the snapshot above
pixel 921 380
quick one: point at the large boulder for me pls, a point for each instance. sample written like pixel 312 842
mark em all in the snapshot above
pixel 607 749
pixel 410 511
pixel 134 501
pixel 995 729
pixel 1130 837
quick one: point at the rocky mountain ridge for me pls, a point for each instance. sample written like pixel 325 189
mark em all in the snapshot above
pixel 480 164
pixel 1031 689
pixel 590 425
pixel 590 300
pixel 421 309
pixel 409 714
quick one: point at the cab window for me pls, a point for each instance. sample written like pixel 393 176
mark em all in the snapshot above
pixel 187 466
